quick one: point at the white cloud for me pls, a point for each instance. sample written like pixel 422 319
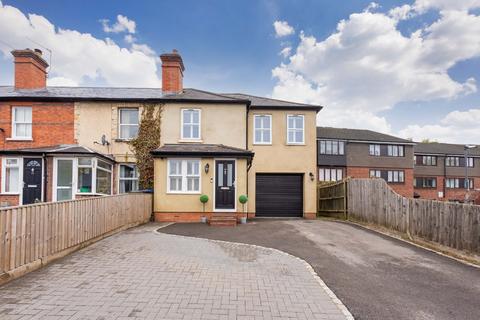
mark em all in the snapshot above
pixel 123 24
pixel 455 127
pixel 286 52
pixel 129 38
pixel 368 66
pixel 424 5
pixel 78 58
pixel 283 29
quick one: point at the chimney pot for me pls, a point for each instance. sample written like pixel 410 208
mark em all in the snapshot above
pixel 30 69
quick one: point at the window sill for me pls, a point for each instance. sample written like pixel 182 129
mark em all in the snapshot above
pixel 9 193
pixel 184 193
pixel 262 144
pixel 295 144
pixel 190 141
pixel 123 140
pixel 19 139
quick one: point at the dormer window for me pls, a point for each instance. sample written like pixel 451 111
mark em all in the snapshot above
pixel 191 124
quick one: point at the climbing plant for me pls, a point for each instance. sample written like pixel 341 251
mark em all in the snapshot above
pixel 147 140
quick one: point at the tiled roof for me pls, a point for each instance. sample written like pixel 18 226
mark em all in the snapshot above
pixel 58 149
pixel 262 102
pixel 445 148
pixel 357 135
pixel 105 93
pixel 198 149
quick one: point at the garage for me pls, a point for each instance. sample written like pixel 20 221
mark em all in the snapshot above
pixel 279 195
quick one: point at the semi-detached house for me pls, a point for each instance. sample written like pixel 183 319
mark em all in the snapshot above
pixel 62 143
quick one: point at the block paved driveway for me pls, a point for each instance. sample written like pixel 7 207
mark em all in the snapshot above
pixel 140 274
pixel 375 276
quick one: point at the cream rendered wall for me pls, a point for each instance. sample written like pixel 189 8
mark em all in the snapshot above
pixel 279 157
pixel 220 124
pixel 94 119
pixel 185 203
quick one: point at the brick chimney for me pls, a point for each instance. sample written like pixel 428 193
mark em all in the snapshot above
pixel 172 72
pixel 30 69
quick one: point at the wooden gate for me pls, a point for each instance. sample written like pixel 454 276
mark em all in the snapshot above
pixel 332 199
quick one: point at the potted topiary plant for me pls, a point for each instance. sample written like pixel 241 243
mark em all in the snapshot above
pixel 243 199
pixel 203 200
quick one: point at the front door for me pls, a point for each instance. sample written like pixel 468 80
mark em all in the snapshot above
pixel 225 184
pixel 32 180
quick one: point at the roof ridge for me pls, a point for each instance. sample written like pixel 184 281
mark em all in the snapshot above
pixel 213 93
pixel 279 100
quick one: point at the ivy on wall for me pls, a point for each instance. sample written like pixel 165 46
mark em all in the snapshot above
pixel 147 140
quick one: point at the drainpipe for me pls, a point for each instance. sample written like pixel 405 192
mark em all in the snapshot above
pixel 45 177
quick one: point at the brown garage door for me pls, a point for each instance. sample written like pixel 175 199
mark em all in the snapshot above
pixel 279 195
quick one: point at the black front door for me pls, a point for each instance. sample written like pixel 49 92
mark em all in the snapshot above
pixel 32 180
pixel 225 184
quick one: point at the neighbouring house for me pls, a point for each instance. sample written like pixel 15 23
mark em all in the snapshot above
pixel 362 154
pixel 61 143
pixel 441 172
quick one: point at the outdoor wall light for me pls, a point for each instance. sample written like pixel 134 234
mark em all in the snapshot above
pixel 207 167
pixel 312 177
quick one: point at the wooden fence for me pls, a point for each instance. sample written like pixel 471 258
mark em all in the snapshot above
pixel 32 234
pixel 451 224
pixel 332 199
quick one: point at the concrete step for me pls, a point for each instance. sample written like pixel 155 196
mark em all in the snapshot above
pixel 225 220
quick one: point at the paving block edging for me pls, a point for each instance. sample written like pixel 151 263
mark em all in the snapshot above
pixel 308 266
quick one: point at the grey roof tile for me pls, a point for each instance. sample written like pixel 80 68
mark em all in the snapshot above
pixel 263 102
pixel 445 148
pixel 357 135
pixel 201 149
pixel 57 149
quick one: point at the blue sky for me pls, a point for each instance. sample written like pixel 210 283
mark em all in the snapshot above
pixel 232 46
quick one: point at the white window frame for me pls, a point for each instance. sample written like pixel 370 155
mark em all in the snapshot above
pixel 120 124
pixel 375 150
pixel 20 175
pixel 324 172
pixel 182 135
pixel 296 129
pixel 262 129
pixel 97 167
pixel 120 179
pixel 184 176
pixel 14 123
pixel 77 167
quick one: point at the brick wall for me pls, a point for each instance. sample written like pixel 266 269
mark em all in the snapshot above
pixel 52 124
pixel 404 189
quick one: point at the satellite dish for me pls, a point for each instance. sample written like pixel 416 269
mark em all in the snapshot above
pixel 104 140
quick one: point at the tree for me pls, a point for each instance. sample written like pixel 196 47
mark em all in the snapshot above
pixel 147 140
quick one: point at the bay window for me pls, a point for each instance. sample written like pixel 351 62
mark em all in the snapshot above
pixel 183 176
pixel 85 175
pixel 104 177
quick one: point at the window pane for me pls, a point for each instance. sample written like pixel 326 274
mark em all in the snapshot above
pixel 64 173
pixel 23 114
pixel 339 174
pixel 187 131
pixel 12 179
pixel 291 136
pixel 187 116
pixel 266 136
pixel 321 174
pixel 195 131
pixel 175 183
pixel 104 165
pixel 334 147
pixel 258 136
pixel 84 161
pixel 104 182
pixel 322 147
pixel 193 184
pixel 196 117
pixel 299 122
pixel 84 180
pixel 175 167
pixel 390 176
pixel 128 116
pixel 128 186
pixel 327 174
pixel 258 121
pixel 299 136
pixel 64 194
pixel 128 171
pixel 341 146
pixel 291 121
pixel 229 175
pixel 400 176
pixel 220 175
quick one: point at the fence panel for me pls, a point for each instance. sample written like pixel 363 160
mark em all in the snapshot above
pixel 331 198
pixel 454 225
pixel 33 232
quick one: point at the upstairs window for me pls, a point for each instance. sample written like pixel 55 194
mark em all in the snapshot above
pixel 190 124
pixel 332 147
pixel 425 182
pixel 22 122
pixel 128 124
pixel 374 150
pixel 426 160
pixel 295 129
pixel 395 151
pixel 458 162
pixel 263 129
